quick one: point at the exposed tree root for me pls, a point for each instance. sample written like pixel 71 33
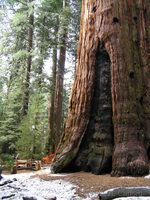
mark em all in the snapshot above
pixel 124 192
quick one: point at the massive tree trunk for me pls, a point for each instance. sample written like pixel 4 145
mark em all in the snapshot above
pixel 60 77
pixel 28 65
pixel 114 45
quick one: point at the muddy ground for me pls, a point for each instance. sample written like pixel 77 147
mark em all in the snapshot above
pixel 89 183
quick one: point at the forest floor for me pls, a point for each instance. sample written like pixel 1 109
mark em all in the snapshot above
pixel 42 185
pixel 88 183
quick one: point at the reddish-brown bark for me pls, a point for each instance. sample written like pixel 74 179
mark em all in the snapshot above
pixel 123 28
pixel 60 80
pixel 51 140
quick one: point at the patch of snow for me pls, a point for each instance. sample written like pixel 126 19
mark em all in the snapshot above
pixel 92 195
pixel 110 190
pixel 44 171
pixel 148 176
pixel 127 177
pixel 28 186
pixel 47 171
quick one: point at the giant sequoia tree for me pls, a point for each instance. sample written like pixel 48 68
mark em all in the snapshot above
pixel 108 124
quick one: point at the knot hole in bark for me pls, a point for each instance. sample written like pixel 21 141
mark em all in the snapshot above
pixel 94 9
pixel 91 21
pixel 115 20
pixel 135 19
pixel 141 100
pixel 131 75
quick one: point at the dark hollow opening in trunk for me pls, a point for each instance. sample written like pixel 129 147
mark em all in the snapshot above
pixel 115 20
pixel 131 75
pixel 148 153
pixel 95 152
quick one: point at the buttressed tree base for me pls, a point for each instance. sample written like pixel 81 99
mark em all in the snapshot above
pixel 108 124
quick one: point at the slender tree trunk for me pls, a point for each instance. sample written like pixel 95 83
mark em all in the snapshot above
pixel 114 35
pixel 60 81
pixel 42 55
pixel 40 70
pixel 28 66
pixel 51 135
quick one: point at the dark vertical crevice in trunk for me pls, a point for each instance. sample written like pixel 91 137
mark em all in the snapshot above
pixel 95 152
pixel 148 153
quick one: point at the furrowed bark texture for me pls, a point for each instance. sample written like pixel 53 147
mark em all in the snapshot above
pixel 60 80
pixel 115 36
pixel 51 141
pixel 51 136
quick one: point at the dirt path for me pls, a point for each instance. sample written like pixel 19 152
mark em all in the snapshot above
pixel 89 183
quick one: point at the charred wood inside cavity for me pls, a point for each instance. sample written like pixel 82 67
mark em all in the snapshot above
pixel 95 153
pixel 148 153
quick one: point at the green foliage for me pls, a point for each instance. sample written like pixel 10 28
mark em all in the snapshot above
pixel 31 143
pixel 20 54
pixel 27 135
pixel 10 119
pixel 6 160
pixel 74 28
pixel 19 18
pixel 1 99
